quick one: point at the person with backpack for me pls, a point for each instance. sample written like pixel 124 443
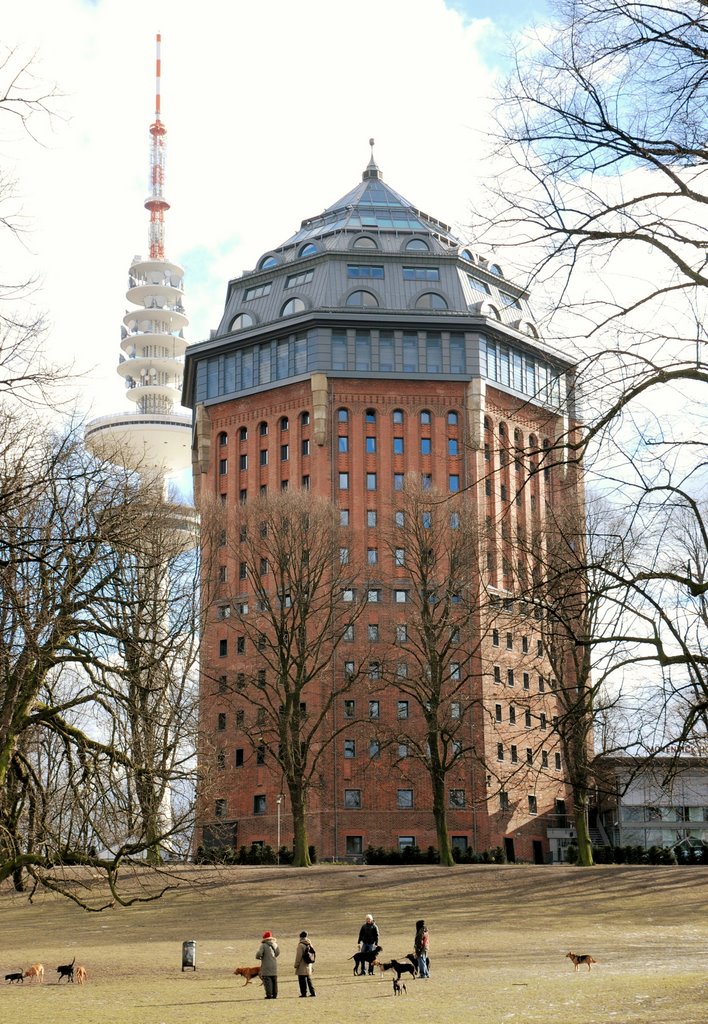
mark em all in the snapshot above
pixel 304 959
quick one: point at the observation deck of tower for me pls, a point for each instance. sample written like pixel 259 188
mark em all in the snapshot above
pixel 156 435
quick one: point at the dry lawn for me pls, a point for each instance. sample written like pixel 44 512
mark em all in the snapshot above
pixel 499 935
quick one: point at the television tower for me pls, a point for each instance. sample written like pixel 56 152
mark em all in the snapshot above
pixel 156 435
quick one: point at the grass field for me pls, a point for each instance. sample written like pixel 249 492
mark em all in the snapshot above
pixel 499 935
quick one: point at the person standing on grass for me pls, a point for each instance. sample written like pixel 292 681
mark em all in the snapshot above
pixel 422 942
pixel 368 940
pixel 268 953
pixel 304 959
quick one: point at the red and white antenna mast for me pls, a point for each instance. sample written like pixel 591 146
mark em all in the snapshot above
pixel 156 202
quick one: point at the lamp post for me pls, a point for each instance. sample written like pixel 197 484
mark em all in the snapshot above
pixel 278 801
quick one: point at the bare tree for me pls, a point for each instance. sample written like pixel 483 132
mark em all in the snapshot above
pixel 603 126
pixel 27 109
pixel 434 655
pixel 63 518
pixel 294 604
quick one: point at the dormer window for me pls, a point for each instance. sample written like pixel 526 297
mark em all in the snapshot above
pixel 242 321
pixel 267 262
pixel 365 243
pixel 362 298
pixel 308 249
pixel 292 306
pixel 417 245
pixel 430 300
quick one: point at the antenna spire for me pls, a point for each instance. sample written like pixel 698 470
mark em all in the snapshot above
pixel 156 202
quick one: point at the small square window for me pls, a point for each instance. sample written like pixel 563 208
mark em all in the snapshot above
pixel 343 443
pixel 371 445
pixel 342 415
pixel 243 462
pixel 349 673
pixel 371 481
pixel 400 557
pixel 401 634
pixel 405 843
pixel 404 799
pixel 349 748
pixel 344 556
pixel 223 648
pixel 398 481
pixel 453 483
pixel 426 446
pixel 243 434
pixel 426 481
pixel 354 845
pixel 352 798
pixel 220 808
pixel 344 517
pixel 284 452
pixel 533 805
pixel 348 595
pixel 372 632
pixel 400 519
pixel 344 481
pixel 402 750
pixel 259 804
pixel 374 670
pixel 455 670
pixel 264 457
pixel 305 447
pixel 372 556
pixel 452 446
pixel 457 798
pixel 398 448
pixel 371 517
pixel 401 670
pixel 400 596
pixel 402 709
pixel 221 721
pixel 374 748
pixel 373 596
pixel 374 709
pixel 455 709
pixel 238 762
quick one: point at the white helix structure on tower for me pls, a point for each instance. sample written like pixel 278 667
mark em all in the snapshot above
pixel 157 434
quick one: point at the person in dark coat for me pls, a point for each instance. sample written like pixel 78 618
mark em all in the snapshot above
pixel 421 944
pixel 302 968
pixel 368 940
pixel 268 953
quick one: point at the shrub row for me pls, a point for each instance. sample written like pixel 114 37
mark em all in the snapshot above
pixel 641 855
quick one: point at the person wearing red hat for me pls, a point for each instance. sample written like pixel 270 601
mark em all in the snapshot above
pixel 268 953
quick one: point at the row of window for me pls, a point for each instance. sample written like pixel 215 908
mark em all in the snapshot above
pixel 525 679
pixel 399 481
pixel 496 642
pixel 359 297
pixel 366 242
pixel 528 718
pixel 641 812
pixel 353 801
pixel 425 445
pixel 514 756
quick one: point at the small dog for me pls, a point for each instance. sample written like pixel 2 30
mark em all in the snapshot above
pixel 81 974
pixel 362 961
pixel 583 958
pixel 66 971
pixel 398 967
pixel 35 971
pixel 399 988
pixel 249 973
pixel 17 976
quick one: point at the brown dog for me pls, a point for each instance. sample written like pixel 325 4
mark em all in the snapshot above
pixel 80 974
pixel 399 988
pixel 583 958
pixel 35 971
pixel 249 973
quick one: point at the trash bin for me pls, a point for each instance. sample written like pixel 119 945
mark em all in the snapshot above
pixel 189 954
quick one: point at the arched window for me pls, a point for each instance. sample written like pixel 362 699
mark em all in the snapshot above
pixel 268 261
pixel 397 415
pixel 467 255
pixel 487 423
pixel 453 418
pixel 430 300
pixel 242 320
pixel 362 298
pixel 493 311
pixel 502 430
pixel 530 330
pixel 243 434
pixel 342 415
pixel 263 429
pixel 223 439
pixel 417 245
pixel 365 243
pixel 304 418
pixel 370 415
pixel 292 306
pixel 308 249
pixel 494 268
pixel 425 418
pixel 284 423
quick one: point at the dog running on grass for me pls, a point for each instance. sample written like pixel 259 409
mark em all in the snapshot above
pixel 66 971
pixel 582 958
pixel 249 973
pixel 398 967
pixel 364 960
pixel 35 971
pixel 80 974
pixel 399 988
pixel 16 976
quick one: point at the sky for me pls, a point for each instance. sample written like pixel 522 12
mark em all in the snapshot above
pixel 268 106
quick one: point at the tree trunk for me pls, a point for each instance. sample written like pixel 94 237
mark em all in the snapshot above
pixel 584 843
pixel 437 778
pixel 301 851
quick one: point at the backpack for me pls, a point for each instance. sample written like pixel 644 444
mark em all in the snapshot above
pixel 308 954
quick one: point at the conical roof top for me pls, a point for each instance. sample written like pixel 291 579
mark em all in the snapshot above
pixel 372 204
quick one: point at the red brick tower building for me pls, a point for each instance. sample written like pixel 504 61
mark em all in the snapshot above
pixel 370 355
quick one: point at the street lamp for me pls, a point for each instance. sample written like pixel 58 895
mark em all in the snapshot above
pixel 278 801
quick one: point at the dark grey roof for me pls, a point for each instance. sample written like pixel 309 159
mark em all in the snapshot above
pixel 372 204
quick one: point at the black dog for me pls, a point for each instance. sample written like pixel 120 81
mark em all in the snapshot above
pixel 17 976
pixel 66 971
pixel 362 960
pixel 399 968
pixel 414 960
